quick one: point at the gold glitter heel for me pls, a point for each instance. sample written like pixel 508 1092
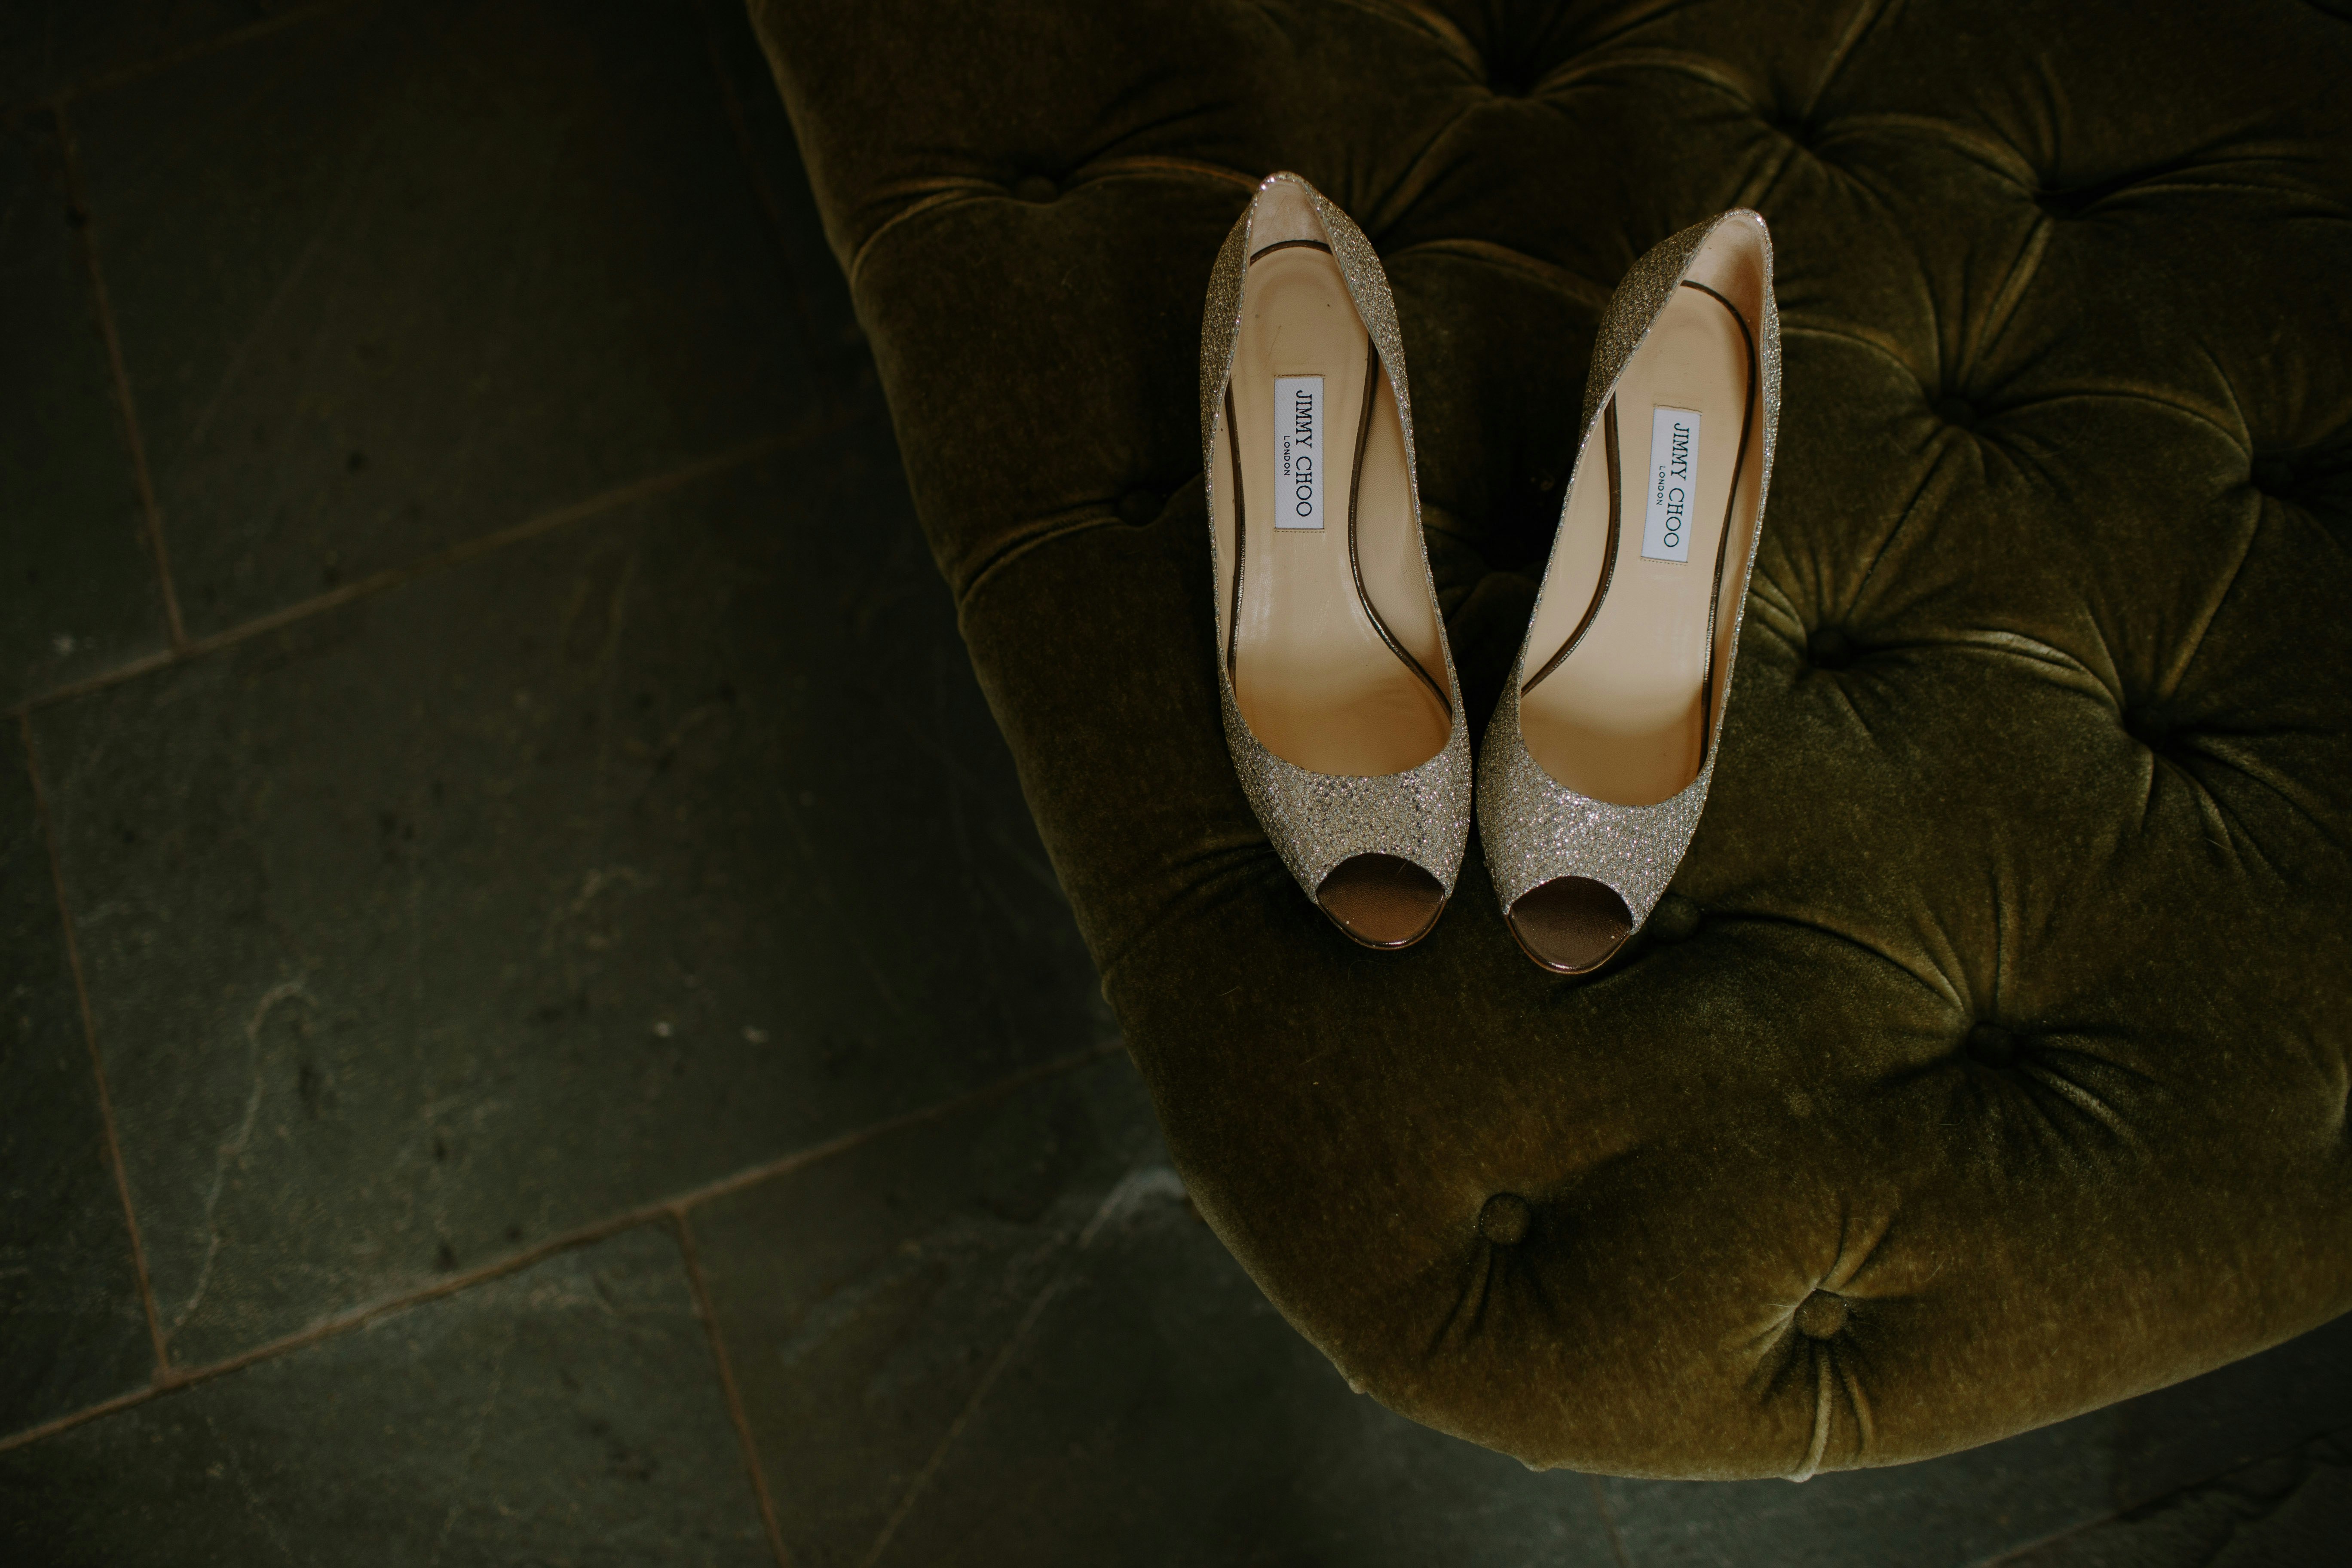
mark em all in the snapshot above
pixel 1340 705
pixel 1596 764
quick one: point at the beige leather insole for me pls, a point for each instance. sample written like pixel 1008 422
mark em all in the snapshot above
pixel 1624 717
pixel 1318 684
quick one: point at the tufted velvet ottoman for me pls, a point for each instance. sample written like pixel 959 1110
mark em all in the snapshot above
pixel 1990 1060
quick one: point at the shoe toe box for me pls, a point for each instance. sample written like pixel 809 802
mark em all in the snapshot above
pixel 1381 900
pixel 1572 925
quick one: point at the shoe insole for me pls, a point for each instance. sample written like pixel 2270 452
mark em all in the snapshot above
pixel 1330 678
pixel 1624 717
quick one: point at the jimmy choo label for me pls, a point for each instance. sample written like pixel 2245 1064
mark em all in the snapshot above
pixel 1674 484
pixel 1298 451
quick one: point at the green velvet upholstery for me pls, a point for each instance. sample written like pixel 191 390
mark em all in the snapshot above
pixel 1988 1062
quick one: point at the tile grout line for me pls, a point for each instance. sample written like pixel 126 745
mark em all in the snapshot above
pixel 579 1236
pixel 700 1285
pixel 784 1165
pixel 2010 1554
pixel 922 1481
pixel 2024 1550
pixel 457 555
pixel 357 1317
pixel 150 511
pixel 1609 1521
pixel 96 1063
pixel 122 74
pixel 1054 1286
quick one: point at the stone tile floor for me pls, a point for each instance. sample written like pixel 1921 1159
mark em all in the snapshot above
pixel 492 1071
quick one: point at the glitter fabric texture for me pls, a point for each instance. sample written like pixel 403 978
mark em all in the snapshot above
pixel 1534 830
pixel 1317 820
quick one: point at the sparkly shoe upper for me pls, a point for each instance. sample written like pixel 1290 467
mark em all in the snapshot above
pixel 1317 820
pixel 1535 828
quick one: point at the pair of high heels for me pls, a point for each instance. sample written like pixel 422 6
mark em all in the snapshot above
pixel 1341 706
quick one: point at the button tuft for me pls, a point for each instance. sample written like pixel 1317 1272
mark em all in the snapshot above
pixel 1675 918
pixel 1505 1219
pixel 1829 649
pixel 2157 727
pixel 1518 79
pixel 1821 1316
pixel 2064 206
pixel 1035 189
pixel 1992 1045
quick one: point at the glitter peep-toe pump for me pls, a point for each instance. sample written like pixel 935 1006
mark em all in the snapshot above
pixel 1340 705
pixel 1596 767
